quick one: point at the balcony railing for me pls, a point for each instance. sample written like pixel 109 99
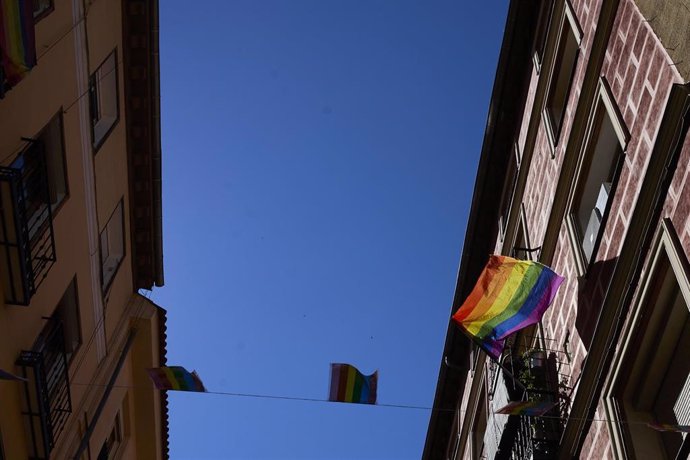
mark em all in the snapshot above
pixel 27 243
pixel 535 437
pixel 47 399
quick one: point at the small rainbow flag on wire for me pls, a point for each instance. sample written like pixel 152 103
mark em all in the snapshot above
pixel 17 41
pixel 350 385
pixel 510 295
pixel 667 427
pixel 528 408
pixel 175 378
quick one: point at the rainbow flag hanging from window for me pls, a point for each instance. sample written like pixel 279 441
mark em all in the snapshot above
pixel 17 41
pixel 527 408
pixel 175 378
pixel 510 295
pixel 350 385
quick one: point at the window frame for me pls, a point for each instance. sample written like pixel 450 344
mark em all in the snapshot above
pixel 77 311
pixel 106 287
pixel 509 189
pixel 603 106
pixel 481 415
pixel 45 12
pixel 567 19
pixel 59 117
pixel 666 252
pixel 93 83
pixel 112 450
pixel 544 20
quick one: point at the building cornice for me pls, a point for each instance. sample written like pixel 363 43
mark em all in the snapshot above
pixel 142 108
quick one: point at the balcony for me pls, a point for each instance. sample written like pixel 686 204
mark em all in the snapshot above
pixel 47 399
pixel 533 437
pixel 27 243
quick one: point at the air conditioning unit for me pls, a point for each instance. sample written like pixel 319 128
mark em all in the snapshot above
pixel 592 231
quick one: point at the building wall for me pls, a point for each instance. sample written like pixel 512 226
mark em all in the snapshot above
pixel 640 73
pixel 71 44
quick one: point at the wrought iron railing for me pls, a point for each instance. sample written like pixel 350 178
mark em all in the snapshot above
pixel 27 243
pixel 48 402
pixel 534 437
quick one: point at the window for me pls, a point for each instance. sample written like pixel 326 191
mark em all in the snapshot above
pixel 509 188
pixel 597 171
pixel 67 312
pixel 561 76
pixel 109 448
pixel 652 378
pixel 42 8
pixel 479 427
pixel 52 138
pixel 44 161
pixel 544 19
pixel 103 100
pixel 112 246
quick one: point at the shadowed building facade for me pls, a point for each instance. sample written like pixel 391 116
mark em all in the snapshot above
pixel 80 231
pixel 584 168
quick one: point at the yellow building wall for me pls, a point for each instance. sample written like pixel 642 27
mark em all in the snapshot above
pixel 51 87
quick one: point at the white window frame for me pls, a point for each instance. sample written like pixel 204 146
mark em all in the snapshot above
pixel 70 331
pixel 667 246
pixel 604 106
pixel 112 240
pixel 104 100
pixel 566 22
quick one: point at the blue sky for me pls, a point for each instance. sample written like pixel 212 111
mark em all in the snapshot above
pixel 319 161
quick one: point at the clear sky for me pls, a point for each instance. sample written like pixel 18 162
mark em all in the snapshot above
pixel 319 161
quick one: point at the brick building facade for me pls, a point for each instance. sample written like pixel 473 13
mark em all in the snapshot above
pixel 584 168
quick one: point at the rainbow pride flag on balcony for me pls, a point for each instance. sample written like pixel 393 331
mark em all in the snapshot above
pixel 350 385
pixel 17 42
pixel 175 378
pixel 510 295
pixel 527 408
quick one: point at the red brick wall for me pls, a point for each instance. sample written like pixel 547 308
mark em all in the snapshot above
pixel 640 74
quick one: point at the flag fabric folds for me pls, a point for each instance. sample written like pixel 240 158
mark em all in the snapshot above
pixel 4 375
pixel 527 408
pixel 17 41
pixel 350 385
pixel 667 427
pixel 175 378
pixel 509 295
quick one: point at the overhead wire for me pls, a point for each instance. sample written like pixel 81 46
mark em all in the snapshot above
pixel 397 406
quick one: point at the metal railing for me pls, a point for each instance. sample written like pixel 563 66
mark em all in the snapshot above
pixel 535 438
pixel 48 402
pixel 27 242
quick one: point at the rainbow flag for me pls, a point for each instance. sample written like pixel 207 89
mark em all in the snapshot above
pixel 527 408
pixel 667 427
pixel 175 378
pixel 350 385
pixel 17 41
pixel 509 295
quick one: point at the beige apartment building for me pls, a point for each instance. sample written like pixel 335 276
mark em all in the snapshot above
pixel 80 233
pixel 585 167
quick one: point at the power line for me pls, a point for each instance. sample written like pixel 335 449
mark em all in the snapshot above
pixel 398 406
